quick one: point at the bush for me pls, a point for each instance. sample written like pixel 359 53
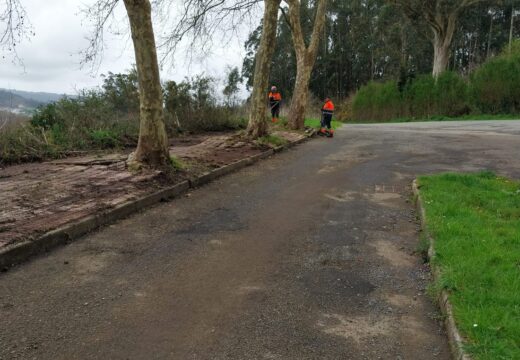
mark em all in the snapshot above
pixel 377 101
pixel 423 97
pixel 191 105
pixel 426 97
pixel 494 87
pixel 451 95
pixel 109 118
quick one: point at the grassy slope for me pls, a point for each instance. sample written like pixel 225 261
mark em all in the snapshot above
pixel 315 123
pixel 475 221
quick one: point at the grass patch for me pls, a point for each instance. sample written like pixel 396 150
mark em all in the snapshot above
pixel 177 164
pixel 475 221
pixel 272 141
pixel 315 123
pixel 469 117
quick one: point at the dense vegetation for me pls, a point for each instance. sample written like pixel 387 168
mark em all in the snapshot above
pixel 474 220
pixel 371 40
pixel 109 118
pixel 490 89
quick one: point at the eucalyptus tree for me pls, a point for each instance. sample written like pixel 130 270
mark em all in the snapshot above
pixel 442 17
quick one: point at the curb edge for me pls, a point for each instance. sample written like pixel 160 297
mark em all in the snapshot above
pixel 23 251
pixel 455 339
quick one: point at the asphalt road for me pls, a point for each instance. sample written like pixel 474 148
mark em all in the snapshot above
pixel 308 255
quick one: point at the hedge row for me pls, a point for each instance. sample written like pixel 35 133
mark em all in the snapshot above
pixel 491 89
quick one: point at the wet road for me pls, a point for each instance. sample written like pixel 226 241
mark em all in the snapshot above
pixel 308 255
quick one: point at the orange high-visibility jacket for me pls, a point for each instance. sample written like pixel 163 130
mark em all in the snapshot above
pixel 328 108
pixel 275 97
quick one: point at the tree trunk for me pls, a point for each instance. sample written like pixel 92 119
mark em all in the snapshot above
pixel 257 125
pixel 306 57
pixel 300 96
pixel 490 34
pixel 152 147
pixel 511 28
pixel 440 59
pixel 442 40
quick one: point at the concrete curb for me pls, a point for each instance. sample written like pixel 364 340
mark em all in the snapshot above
pixel 22 251
pixel 455 339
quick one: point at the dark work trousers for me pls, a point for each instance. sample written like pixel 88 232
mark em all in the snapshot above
pixel 326 120
pixel 275 109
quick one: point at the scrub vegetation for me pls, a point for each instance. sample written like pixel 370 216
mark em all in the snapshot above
pixel 491 89
pixel 108 118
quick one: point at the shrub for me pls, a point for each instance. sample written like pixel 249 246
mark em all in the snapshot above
pixel 494 87
pixel 104 138
pixel 426 96
pixel 377 101
pixel 191 105
pixel 423 97
pixel 109 117
pixel 451 95
pixel 419 97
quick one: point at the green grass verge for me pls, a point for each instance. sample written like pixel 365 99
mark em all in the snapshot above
pixel 315 123
pixel 272 140
pixel 177 164
pixel 470 117
pixel 475 221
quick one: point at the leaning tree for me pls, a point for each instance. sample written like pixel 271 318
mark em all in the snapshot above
pixel 442 17
pixel 152 147
pixel 305 57
pixel 257 125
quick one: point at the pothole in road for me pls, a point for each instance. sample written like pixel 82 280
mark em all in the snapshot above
pixel 338 257
pixel 391 252
pixel 357 328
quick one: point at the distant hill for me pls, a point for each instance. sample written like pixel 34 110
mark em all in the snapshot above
pixel 40 97
pixel 24 102
pixel 11 100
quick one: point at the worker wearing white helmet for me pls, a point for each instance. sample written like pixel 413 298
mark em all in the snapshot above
pixel 275 99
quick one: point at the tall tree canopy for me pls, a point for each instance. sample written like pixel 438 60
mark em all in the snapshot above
pixel 442 16
pixel 366 40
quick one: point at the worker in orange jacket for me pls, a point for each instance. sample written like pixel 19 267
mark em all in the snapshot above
pixel 327 111
pixel 275 99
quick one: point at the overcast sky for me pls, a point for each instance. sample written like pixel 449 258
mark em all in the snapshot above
pixel 52 60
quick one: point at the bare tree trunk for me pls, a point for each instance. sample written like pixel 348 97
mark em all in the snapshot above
pixel 305 59
pixel 490 34
pixel 300 95
pixel 443 32
pixel 440 59
pixel 257 125
pixel 152 148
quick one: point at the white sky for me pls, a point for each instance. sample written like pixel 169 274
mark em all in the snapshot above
pixel 52 57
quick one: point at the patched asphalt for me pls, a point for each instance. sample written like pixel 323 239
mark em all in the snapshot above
pixel 308 255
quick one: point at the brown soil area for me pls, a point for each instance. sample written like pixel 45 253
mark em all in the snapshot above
pixel 39 197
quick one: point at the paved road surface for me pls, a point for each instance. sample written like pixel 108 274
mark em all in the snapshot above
pixel 309 255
